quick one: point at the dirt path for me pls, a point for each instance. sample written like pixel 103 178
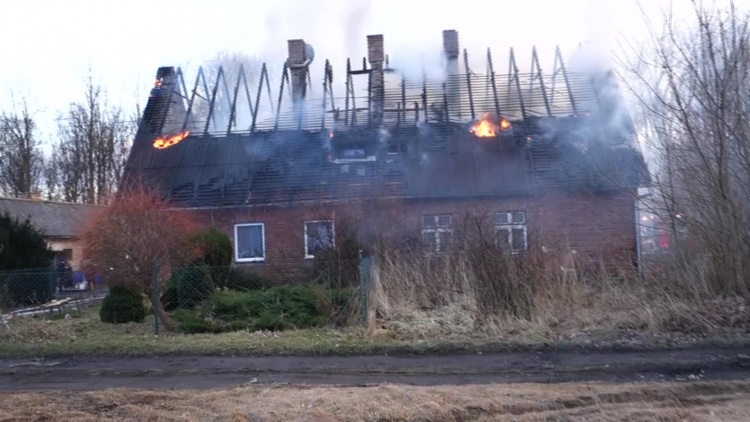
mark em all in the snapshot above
pixel 202 372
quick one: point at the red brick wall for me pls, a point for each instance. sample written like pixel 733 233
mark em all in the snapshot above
pixel 598 226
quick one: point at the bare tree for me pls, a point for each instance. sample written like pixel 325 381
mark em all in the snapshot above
pixel 51 174
pixel 134 233
pixel 93 147
pixel 694 88
pixel 21 166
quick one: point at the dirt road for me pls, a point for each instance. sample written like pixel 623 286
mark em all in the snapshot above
pixel 202 372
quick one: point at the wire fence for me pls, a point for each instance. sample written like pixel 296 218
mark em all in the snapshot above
pixel 273 296
pixel 199 298
pixel 28 287
pixel 31 292
pixel 277 296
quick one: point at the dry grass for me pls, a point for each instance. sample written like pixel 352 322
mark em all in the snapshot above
pixel 521 402
pixel 542 298
pixel 444 329
pixel 416 314
pixel 476 300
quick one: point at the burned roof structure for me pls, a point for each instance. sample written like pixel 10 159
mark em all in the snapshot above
pixel 232 141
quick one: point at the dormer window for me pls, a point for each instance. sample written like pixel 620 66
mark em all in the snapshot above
pixel 353 153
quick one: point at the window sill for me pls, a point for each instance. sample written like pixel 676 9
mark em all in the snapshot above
pixel 246 260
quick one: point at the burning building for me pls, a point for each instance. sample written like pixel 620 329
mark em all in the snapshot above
pixel 550 156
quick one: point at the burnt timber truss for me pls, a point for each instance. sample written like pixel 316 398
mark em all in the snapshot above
pixel 462 97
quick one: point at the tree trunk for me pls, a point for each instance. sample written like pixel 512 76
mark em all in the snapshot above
pixel 164 318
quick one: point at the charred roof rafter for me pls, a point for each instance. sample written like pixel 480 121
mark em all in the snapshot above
pixel 459 97
pixel 559 67
pixel 538 75
pixel 263 78
pixel 233 107
pixel 200 77
pixel 491 71
pixel 514 80
pixel 212 102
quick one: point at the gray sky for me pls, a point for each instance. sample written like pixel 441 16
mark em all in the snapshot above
pixel 48 47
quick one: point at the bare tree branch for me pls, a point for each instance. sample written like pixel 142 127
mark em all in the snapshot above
pixel 20 155
pixel 94 143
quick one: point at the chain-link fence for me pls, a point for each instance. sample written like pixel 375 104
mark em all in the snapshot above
pixel 32 291
pixel 27 287
pixel 199 298
pixel 274 296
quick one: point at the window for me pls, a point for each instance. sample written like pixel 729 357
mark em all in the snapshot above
pixel 397 148
pixel 319 236
pixel 510 227
pixel 249 242
pixel 353 153
pixel 437 232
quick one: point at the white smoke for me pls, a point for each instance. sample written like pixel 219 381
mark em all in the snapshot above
pixel 354 19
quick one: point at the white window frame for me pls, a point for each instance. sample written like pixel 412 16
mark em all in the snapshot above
pixel 333 234
pixel 509 227
pixel 366 159
pixel 435 231
pixel 237 243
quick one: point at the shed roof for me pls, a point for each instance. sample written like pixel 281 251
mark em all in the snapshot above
pixel 54 219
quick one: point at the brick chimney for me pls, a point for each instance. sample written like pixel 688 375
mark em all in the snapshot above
pixel 164 110
pixel 376 57
pixel 298 64
pixel 452 84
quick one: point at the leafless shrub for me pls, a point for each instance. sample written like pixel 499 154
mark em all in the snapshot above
pixel 478 289
pixel 477 274
pixel 135 235
pixel 692 82
pixel 336 262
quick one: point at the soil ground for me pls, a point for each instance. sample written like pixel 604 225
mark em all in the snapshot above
pixel 206 372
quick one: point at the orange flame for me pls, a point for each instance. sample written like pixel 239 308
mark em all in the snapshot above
pixel 164 142
pixel 504 124
pixel 157 83
pixel 484 128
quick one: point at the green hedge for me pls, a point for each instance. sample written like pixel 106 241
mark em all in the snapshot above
pixel 187 288
pixel 122 304
pixel 215 248
pixel 190 286
pixel 274 309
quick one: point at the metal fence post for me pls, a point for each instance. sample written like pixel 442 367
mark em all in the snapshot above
pixel 53 278
pixel 155 289
pixel 365 275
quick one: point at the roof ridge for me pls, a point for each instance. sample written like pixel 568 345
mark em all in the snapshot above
pixel 42 201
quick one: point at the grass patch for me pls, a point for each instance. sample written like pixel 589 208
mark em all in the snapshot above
pixel 84 334
pixel 87 335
